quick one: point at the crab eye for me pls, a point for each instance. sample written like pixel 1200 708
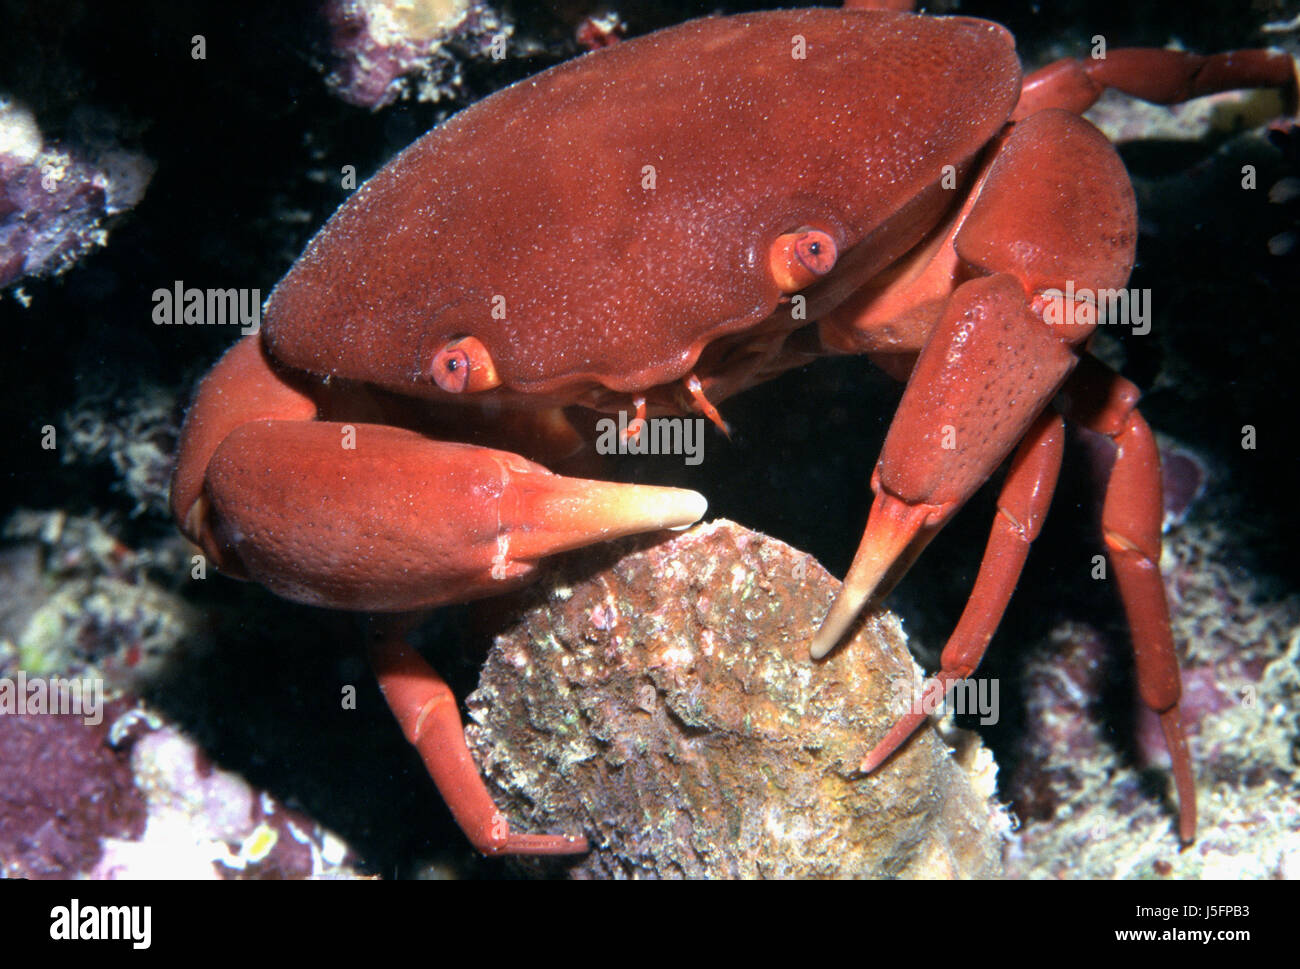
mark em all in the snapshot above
pixel 464 365
pixel 798 259
pixel 451 370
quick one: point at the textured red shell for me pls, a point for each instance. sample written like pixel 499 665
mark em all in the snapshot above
pixel 536 201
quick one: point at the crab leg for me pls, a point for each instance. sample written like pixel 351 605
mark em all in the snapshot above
pixel 1022 507
pixel 993 362
pixel 425 709
pixel 1034 230
pixel 1156 75
pixel 989 369
pixel 1102 401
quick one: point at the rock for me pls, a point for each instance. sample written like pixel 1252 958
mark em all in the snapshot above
pixel 386 49
pixel 1087 799
pixel 207 823
pixel 659 698
pixel 56 199
pixel 113 786
pixel 62 790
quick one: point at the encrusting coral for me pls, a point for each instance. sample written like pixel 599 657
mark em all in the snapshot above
pixel 660 698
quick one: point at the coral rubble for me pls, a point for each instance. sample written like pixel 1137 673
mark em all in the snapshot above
pixel 382 46
pixel 663 702
pixel 55 198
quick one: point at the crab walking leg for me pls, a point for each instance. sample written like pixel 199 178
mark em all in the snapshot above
pixel 425 709
pixel 994 358
pixel 990 368
pixel 1102 401
pixel 1022 506
pixel 1156 75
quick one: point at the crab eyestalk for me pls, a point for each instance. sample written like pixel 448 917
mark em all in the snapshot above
pixel 798 259
pixel 464 366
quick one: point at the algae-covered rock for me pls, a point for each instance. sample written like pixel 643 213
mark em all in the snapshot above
pixel 660 699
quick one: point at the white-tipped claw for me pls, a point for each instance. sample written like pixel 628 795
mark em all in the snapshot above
pixel 891 528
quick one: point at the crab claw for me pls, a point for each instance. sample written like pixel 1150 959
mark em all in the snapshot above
pixel 895 534
pixel 545 513
pixel 413 523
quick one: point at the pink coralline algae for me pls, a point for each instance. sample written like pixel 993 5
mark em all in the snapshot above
pixel 385 49
pixel 114 788
pixel 130 797
pixel 1082 794
pixel 207 823
pixel 55 199
pixel 62 789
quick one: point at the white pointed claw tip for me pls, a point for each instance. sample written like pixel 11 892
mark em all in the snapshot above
pixel 628 509
pixel 833 627
pixel 891 528
pixel 691 505
pixel 645 508
pixel 875 557
pixel 195 517
pixel 571 513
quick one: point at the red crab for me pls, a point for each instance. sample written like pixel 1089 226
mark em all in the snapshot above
pixel 659 225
